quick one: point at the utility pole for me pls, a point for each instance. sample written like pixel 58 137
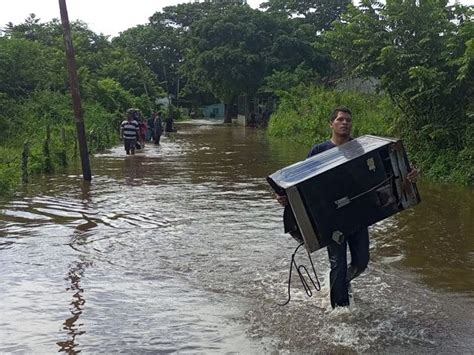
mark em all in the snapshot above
pixel 76 96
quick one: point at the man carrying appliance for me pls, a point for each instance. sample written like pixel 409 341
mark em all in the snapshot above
pixel 341 274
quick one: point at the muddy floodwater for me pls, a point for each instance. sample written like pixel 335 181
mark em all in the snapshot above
pixel 180 249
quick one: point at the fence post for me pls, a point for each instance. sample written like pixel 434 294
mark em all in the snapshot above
pixel 24 162
pixel 48 165
pixel 62 154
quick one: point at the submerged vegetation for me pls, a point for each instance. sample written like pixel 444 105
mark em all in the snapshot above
pixel 419 54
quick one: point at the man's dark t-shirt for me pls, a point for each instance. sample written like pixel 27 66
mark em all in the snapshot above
pixel 319 148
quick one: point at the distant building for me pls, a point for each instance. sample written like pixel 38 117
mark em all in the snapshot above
pixel 213 111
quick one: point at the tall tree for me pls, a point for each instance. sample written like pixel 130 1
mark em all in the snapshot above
pixel 33 59
pixel 159 46
pixel 26 66
pixel 319 13
pixel 422 53
pixel 227 53
pixel 231 53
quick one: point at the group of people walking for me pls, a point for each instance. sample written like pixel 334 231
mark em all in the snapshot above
pixel 135 130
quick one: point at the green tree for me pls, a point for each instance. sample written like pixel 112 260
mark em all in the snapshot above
pixel 158 46
pixel 282 80
pixel 161 43
pixel 318 13
pixel 182 16
pixel 231 53
pixel 421 51
pixel 26 66
pixel 227 53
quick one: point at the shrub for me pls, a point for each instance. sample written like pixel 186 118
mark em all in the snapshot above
pixel 9 170
pixel 303 113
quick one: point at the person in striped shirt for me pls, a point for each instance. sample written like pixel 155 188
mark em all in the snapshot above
pixel 129 132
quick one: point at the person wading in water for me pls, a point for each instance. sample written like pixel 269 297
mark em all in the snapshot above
pixel 129 132
pixel 341 274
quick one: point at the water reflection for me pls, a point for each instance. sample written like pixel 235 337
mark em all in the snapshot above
pixel 187 238
pixel 76 272
pixel 71 325
pixel 438 237
pixel 133 170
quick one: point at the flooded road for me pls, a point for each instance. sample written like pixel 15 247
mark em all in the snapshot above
pixel 180 248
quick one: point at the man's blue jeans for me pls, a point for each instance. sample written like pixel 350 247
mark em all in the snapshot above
pixel 341 275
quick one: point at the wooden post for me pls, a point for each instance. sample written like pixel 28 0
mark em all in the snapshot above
pixel 76 97
pixel 24 162
pixel 62 153
pixel 48 163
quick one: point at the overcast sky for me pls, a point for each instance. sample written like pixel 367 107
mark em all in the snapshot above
pixel 103 16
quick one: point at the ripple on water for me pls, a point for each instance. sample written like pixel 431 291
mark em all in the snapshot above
pixel 178 250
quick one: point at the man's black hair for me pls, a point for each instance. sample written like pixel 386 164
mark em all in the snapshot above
pixel 337 110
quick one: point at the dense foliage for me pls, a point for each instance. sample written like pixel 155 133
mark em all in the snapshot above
pixel 303 113
pixel 423 54
pixel 419 54
pixel 35 104
pixel 320 14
